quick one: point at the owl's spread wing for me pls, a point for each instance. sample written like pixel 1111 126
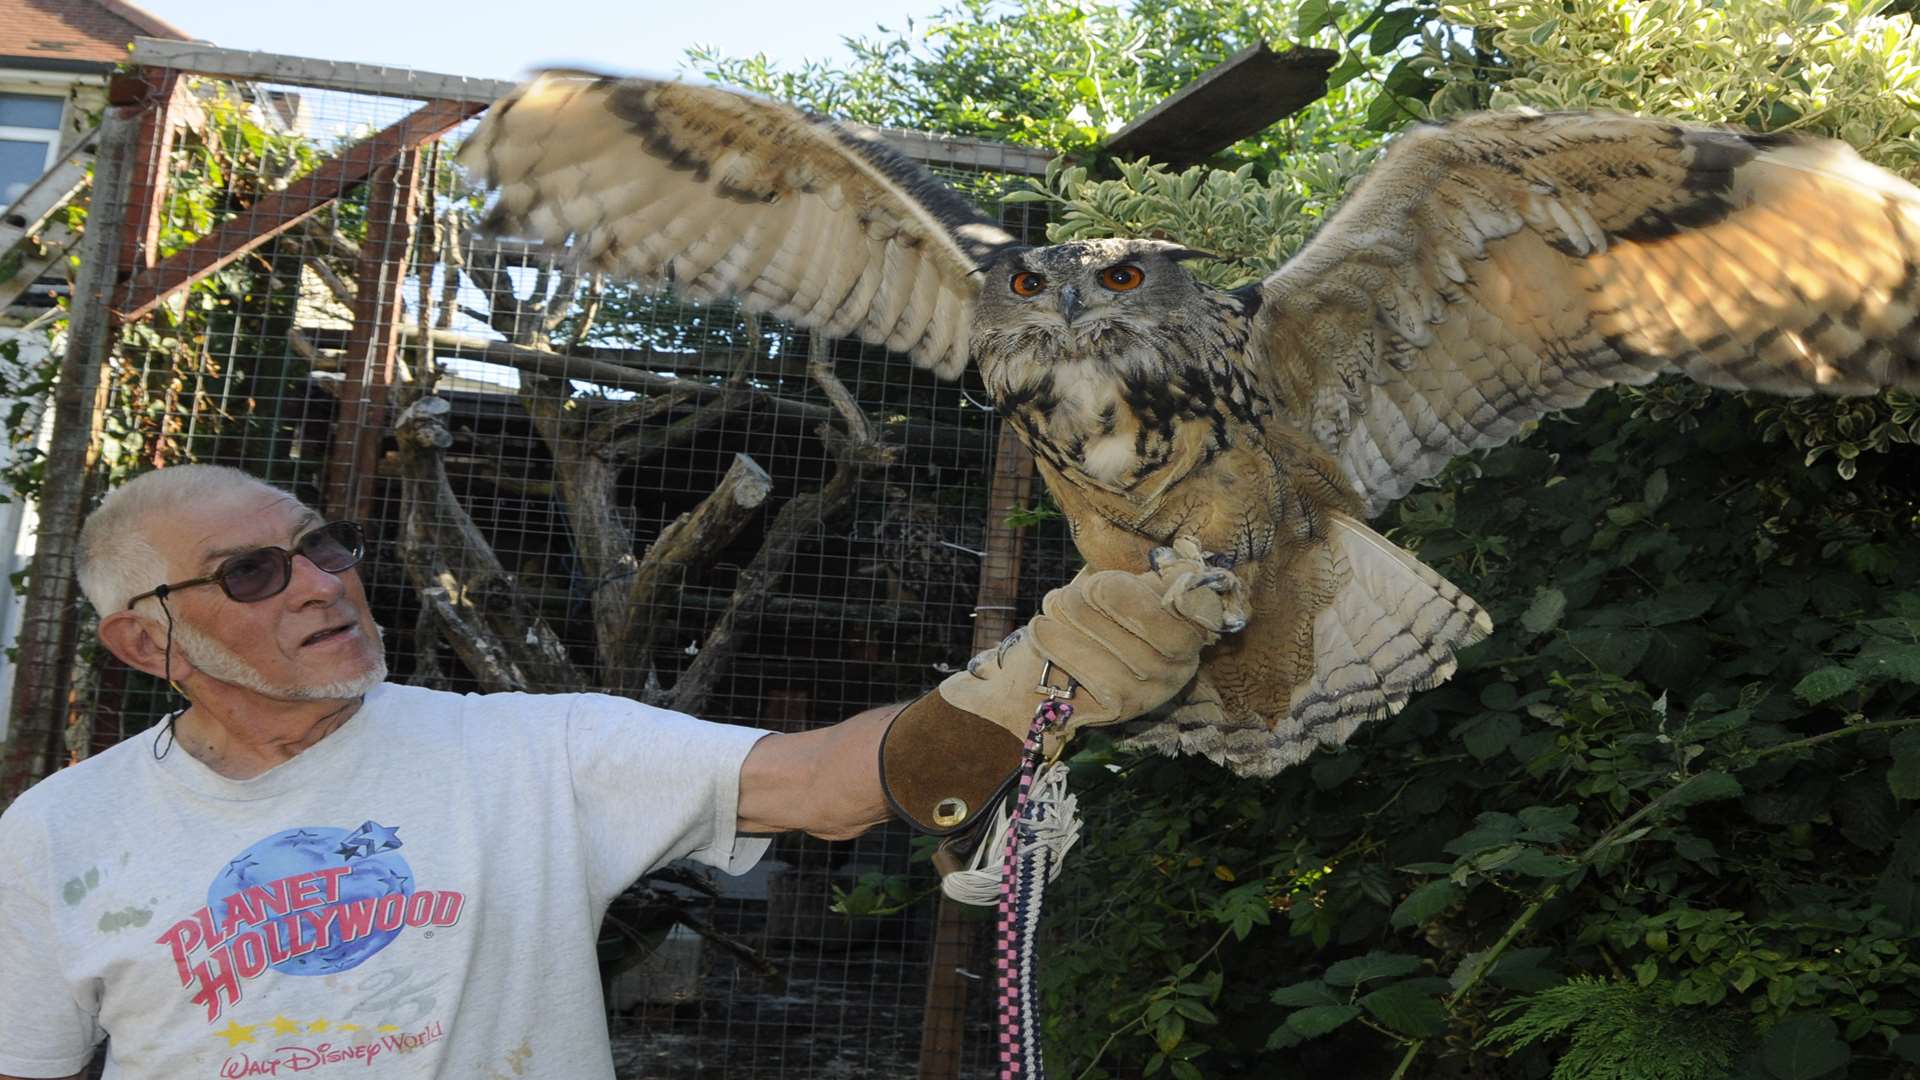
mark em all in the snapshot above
pixel 796 216
pixel 1510 264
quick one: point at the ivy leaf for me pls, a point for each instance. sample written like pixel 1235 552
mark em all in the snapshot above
pixel 1426 902
pixel 1393 28
pixel 1889 662
pixel 1803 1048
pixel 1612 650
pixel 1317 1020
pixel 1350 67
pixel 1407 1009
pixel 1705 787
pixel 1679 604
pixel 1826 683
pixel 1655 491
pixel 1907 1048
pixel 1314 16
pixel 1488 736
pixel 1304 995
pixel 1520 970
pixel 1904 777
pixel 1374 965
pixel 1546 610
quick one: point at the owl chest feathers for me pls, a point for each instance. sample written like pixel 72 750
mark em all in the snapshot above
pixel 1129 416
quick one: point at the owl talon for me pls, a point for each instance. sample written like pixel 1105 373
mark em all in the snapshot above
pixel 1221 560
pixel 1160 555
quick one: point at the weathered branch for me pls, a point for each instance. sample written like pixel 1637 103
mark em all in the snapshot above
pixel 589 311
pixel 491 626
pixel 856 455
pixel 689 541
pixel 643 445
pixel 343 290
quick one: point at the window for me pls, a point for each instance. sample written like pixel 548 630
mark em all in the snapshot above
pixel 29 140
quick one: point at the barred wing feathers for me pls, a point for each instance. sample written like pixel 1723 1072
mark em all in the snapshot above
pixel 731 195
pixel 1510 264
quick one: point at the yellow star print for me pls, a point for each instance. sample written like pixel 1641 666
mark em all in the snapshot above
pixel 237 1033
pixel 318 1026
pixel 387 1027
pixel 284 1026
pixel 346 1027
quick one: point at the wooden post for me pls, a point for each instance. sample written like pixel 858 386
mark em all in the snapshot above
pixel 943 1030
pixel 373 346
pixel 146 209
pixel 49 618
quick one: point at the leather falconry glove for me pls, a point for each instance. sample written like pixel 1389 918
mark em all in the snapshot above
pixel 1113 644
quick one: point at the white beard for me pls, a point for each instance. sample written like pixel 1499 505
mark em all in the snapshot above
pixel 221 663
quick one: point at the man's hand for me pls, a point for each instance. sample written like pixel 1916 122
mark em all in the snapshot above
pixel 1113 644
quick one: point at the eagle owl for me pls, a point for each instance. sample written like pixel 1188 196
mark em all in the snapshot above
pixel 1485 272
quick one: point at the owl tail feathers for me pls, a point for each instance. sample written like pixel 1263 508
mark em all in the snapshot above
pixel 1392 628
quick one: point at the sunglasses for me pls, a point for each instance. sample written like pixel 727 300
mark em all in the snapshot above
pixel 266 571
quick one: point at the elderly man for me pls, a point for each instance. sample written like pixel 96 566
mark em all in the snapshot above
pixel 312 866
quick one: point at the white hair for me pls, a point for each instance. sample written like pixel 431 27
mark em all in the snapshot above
pixel 116 562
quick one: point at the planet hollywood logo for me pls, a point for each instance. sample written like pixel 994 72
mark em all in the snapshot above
pixel 312 901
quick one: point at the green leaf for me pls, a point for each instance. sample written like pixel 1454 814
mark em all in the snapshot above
pixel 1490 735
pixel 1611 649
pixel 1889 662
pixel 1195 1011
pixel 1903 778
pixel 1826 683
pixel 1803 1048
pixel 1705 787
pixel 1374 965
pixel 1317 1020
pixel 1407 1010
pixel 1303 995
pixel 1907 1048
pixel 1520 970
pixel 1350 67
pixel 1655 491
pixel 1426 902
pixel 1393 28
pixel 1314 16
pixel 1678 604
pixel 1546 610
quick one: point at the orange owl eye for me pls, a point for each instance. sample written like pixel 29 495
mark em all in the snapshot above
pixel 1028 283
pixel 1122 277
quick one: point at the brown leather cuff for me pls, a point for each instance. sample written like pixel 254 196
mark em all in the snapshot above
pixel 942 767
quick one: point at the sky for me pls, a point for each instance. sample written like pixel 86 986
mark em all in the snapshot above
pixel 503 39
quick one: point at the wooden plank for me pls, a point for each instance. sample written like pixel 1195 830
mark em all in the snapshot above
pixel 47 195
pixel 158 89
pixel 204 59
pixel 1251 91
pixel 24 266
pixel 49 620
pixel 284 209
pixel 944 1019
pixel 373 346
pixel 401 82
pixel 960 150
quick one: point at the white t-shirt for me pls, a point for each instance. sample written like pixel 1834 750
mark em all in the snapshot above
pixel 416 895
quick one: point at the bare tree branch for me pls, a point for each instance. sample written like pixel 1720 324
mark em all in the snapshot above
pixel 689 541
pixel 480 607
pixel 857 454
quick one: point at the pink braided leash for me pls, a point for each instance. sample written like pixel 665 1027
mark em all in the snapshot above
pixel 1023 879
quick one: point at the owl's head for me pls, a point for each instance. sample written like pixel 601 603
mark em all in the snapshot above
pixel 1085 289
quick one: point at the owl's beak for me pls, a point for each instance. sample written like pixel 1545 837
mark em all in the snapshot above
pixel 1070 305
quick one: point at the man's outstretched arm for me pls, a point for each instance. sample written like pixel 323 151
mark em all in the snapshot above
pixel 1115 644
pixel 824 782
